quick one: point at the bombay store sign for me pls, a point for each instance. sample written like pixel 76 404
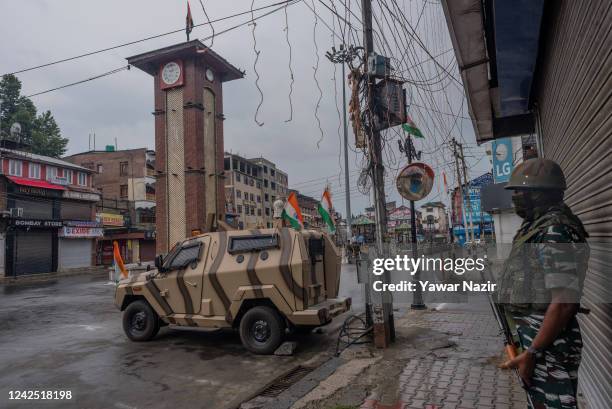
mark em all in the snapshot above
pixel 49 224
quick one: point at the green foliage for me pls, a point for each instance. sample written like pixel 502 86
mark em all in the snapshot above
pixel 41 132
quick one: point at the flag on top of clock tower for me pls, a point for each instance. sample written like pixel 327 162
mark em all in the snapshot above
pixel 188 22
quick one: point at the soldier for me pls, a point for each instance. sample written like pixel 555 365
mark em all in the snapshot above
pixel 541 285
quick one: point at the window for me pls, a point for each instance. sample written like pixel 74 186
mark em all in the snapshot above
pixel 265 183
pixel 123 191
pixel 237 177
pixel 123 168
pixel 239 209
pixel 51 172
pixel 238 194
pixel 83 181
pixel 258 184
pixel 15 167
pixel 245 244
pixel 68 175
pixel 272 172
pixel 183 256
pixel 265 169
pixel 251 197
pixel 242 169
pixel 273 185
pixel 252 211
pixel 267 211
pixel 100 168
pixel 34 171
pixel 258 199
pixel 266 197
pixel 258 212
pixel 251 182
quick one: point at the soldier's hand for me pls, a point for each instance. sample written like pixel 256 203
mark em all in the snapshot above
pixel 524 363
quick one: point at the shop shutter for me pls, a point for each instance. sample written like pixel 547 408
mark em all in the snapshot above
pixel 35 208
pixel 74 253
pixel 75 211
pixel 147 250
pixel 574 99
pixel 33 251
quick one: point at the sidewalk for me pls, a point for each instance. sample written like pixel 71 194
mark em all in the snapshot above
pixel 445 358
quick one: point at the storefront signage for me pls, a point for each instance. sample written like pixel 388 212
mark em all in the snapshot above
pixel 71 194
pixel 109 219
pixel 81 223
pixel 81 232
pixel 37 191
pixel 48 224
pixel 56 180
pixel 503 163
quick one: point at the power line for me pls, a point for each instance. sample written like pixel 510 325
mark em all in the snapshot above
pixel 290 2
pixel 146 39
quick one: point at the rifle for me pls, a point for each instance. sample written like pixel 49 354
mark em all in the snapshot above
pixel 509 344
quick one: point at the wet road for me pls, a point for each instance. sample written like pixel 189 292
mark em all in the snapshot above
pixel 66 335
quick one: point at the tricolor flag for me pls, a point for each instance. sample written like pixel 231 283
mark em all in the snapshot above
pixel 292 213
pixel 411 128
pixel 120 271
pixel 325 207
pixel 188 22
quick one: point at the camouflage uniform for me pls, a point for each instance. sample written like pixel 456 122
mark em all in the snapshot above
pixel 548 252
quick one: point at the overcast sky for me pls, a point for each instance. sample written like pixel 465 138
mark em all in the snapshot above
pixel 119 106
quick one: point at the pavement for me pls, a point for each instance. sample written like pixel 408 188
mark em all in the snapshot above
pixel 445 357
pixel 65 334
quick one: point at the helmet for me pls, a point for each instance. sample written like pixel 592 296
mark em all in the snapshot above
pixel 537 173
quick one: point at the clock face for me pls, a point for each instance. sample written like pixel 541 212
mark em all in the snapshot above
pixel 501 152
pixel 171 73
pixel 210 75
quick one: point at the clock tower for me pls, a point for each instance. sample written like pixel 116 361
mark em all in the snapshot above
pixel 190 188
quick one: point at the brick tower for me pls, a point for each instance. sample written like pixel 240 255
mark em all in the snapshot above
pixel 188 80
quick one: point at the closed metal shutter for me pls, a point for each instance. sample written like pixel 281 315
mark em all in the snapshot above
pixel 75 211
pixel 74 253
pixel 33 251
pixel 41 208
pixel 574 102
pixel 147 250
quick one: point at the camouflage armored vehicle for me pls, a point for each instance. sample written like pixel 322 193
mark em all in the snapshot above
pixel 261 282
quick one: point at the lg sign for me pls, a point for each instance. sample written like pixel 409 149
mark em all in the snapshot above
pixel 502 160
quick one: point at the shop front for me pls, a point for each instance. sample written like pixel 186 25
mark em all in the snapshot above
pixel 77 244
pixel 32 246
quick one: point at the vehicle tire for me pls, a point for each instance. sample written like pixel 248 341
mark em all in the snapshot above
pixel 262 330
pixel 140 322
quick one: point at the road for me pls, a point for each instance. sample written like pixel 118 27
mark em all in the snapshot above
pixel 66 335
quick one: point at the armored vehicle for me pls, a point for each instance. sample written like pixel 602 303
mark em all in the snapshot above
pixel 261 282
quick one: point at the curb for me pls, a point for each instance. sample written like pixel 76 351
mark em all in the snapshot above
pixel 42 277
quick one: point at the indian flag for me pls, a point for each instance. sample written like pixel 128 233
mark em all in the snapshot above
pixel 119 267
pixel 292 213
pixel 325 206
pixel 411 128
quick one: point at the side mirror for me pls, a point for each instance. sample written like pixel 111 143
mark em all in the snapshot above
pixel 159 262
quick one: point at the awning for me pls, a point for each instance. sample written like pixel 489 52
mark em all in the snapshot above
pixel 35 183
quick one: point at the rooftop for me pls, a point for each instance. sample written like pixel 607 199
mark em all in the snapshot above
pixel 43 159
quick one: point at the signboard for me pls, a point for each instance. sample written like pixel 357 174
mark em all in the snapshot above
pixel 81 223
pixel 415 181
pixel 503 162
pixel 81 232
pixel 41 224
pixel 91 197
pixel 56 180
pixel 38 191
pixel 110 219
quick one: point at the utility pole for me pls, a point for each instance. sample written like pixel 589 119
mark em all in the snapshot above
pixel 344 56
pixel 460 184
pixel 377 173
pixel 468 199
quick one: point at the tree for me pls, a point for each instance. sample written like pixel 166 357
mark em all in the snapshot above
pixel 40 132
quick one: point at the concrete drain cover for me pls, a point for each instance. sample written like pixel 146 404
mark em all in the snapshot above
pixel 283 382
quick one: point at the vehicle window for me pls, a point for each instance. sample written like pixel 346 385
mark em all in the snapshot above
pixel 244 244
pixel 184 256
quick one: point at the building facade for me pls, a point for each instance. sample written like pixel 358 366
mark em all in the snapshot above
pixel 251 188
pixel 48 214
pixel 435 222
pixel 127 182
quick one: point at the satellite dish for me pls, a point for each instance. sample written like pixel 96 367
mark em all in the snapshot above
pixel 15 130
pixel 415 181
